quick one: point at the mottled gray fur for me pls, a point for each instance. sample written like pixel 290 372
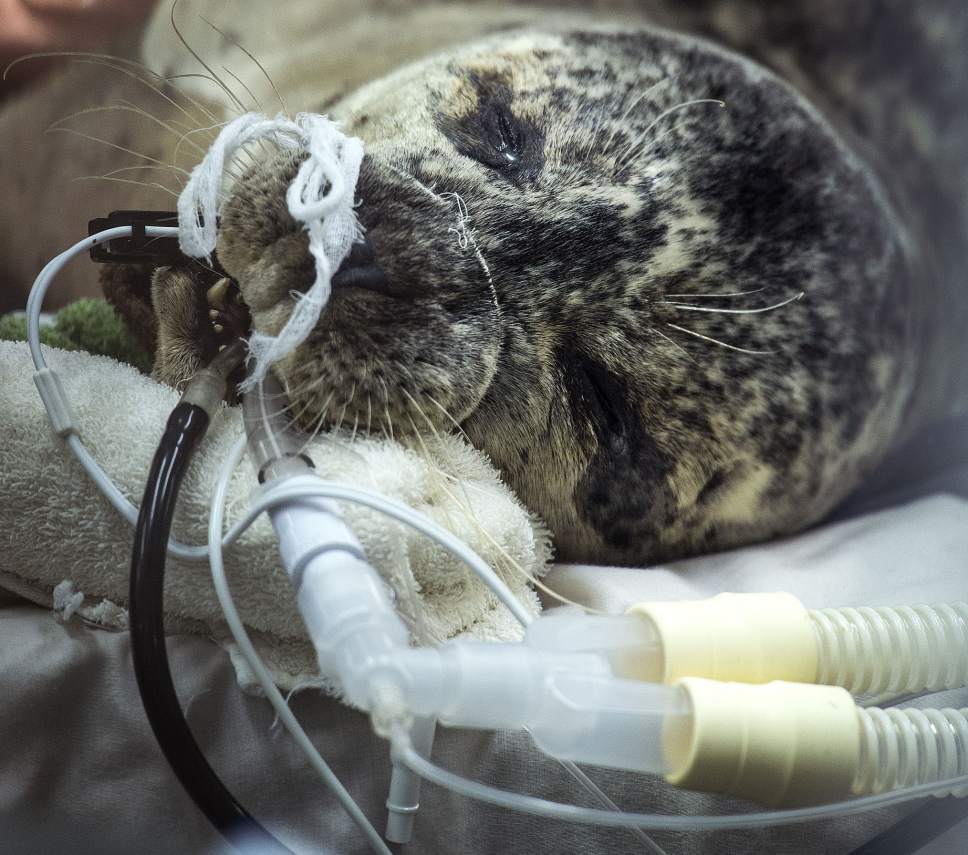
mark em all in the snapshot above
pixel 617 321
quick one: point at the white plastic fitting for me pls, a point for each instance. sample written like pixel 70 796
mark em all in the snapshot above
pixel 630 644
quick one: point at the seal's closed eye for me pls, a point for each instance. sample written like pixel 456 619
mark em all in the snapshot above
pixel 492 133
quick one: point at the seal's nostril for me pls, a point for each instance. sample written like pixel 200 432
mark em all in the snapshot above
pixel 360 253
pixel 360 270
pixel 369 276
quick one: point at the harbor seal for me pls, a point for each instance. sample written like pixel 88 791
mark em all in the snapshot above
pixel 679 306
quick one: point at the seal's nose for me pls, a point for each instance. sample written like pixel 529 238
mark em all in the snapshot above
pixel 360 269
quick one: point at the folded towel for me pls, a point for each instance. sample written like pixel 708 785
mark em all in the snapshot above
pixel 57 527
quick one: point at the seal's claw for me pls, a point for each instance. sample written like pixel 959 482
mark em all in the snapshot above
pixel 217 293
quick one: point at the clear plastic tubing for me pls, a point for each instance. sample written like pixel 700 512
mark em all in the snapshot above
pixel 893 650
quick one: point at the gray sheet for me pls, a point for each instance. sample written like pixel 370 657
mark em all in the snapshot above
pixel 81 773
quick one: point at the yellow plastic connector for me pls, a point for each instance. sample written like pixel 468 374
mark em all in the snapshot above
pixel 749 638
pixel 779 744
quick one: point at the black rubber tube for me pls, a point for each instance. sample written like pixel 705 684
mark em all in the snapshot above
pixel 186 427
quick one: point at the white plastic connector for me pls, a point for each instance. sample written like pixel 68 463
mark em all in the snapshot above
pixel 55 401
pixel 751 638
pixel 779 744
pixel 345 604
pixel 308 527
pixel 630 644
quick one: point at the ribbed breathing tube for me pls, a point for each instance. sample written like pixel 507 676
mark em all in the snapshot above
pixel 905 747
pixel 893 650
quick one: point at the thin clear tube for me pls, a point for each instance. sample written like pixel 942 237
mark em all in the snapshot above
pixel 35 303
pixel 657 822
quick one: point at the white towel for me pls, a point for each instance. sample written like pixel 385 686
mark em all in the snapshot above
pixel 57 527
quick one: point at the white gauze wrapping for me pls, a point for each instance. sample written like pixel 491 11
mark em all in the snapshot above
pixel 320 197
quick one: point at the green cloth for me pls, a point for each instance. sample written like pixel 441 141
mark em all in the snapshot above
pixel 87 324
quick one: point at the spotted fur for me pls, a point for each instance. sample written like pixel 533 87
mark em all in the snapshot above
pixel 673 302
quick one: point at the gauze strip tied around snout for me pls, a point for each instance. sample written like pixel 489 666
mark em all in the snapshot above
pixel 320 197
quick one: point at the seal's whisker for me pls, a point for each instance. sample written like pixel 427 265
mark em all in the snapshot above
pixel 159 164
pixel 437 197
pixel 121 108
pixel 720 343
pixel 126 181
pixel 313 433
pixel 317 423
pixel 308 392
pixel 185 137
pixel 386 405
pixel 731 294
pixel 284 410
pixel 57 128
pixel 446 413
pixel 175 125
pixel 258 64
pixel 249 92
pixel 465 236
pixel 237 107
pixel 678 347
pixel 487 272
pixel 623 159
pixel 722 311
pixel 462 219
pixel 198 261
pixel 201 61
pixel 140 166
pixel 121 169
pixel 467 509
pixel 124 66
pixel 346 405
pixel 434 472
pixel 258 105
pixel 632 106
pixel 298 414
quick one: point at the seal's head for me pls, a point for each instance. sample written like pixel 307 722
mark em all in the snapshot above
pixel 588 249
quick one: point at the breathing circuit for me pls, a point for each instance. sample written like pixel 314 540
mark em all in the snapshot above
pixel 593 689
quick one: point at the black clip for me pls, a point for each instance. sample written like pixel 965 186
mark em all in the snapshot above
pixel 138 248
